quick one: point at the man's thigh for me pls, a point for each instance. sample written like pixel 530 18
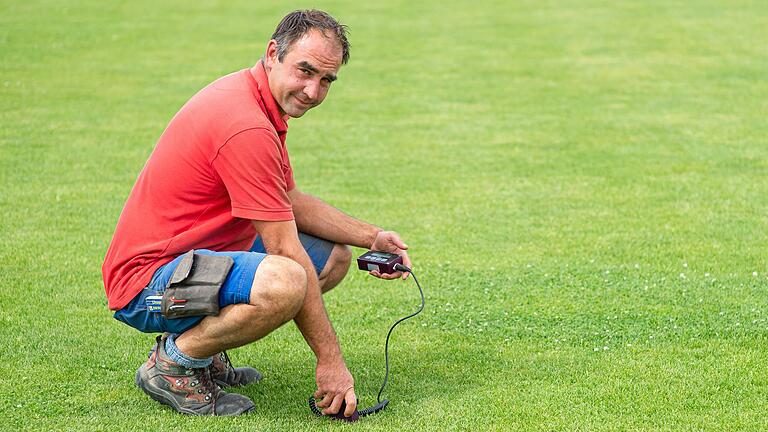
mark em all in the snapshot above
pixel 236 288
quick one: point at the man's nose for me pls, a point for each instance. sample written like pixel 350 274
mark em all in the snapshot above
pixel 312 89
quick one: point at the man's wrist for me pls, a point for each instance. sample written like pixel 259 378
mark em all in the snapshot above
pixel 330 358
pixel 372 236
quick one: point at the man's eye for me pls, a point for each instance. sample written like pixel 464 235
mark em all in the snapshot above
pixel 306 72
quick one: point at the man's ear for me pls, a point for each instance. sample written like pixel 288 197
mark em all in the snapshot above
pixel 270 56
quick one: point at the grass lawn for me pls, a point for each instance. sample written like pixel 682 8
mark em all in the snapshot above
pixel 582 184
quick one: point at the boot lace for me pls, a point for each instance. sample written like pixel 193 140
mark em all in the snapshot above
pixel 207 385
pixel 230 368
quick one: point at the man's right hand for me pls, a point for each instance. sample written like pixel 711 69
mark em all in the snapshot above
pixel 335 384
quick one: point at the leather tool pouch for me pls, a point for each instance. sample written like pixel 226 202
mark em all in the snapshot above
pixel 194 286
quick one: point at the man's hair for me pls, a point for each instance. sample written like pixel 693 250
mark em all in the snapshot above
pixel 299 22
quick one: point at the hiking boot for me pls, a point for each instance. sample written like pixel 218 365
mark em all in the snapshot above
pixel 225 375
pixel 187 390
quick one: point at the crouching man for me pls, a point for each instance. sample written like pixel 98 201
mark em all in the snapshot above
pixel 216 246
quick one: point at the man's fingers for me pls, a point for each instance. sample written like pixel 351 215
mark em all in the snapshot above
pixel 351 400
pixel 406 260
pixel 317 394
pixel 327 399
pixel 335 405
pixel 407 263
pixel 387 276
pixel 397 241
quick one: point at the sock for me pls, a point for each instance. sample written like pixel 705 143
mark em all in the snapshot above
pixel 182 359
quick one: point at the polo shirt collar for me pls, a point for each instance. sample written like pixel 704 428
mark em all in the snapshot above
pixel 273 110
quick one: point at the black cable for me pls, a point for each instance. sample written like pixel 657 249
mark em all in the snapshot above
pixel 402 268
pixel 380 404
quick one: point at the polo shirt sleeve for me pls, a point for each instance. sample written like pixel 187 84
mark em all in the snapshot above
pixel 252 167
pixel 290 183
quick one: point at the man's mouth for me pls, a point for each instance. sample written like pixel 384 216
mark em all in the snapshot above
pixel 302 101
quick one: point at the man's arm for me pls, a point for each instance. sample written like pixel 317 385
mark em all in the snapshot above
pixel 320 219
pixel 334 382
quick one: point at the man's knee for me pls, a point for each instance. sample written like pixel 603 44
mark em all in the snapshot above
pixel 341 257
pixel 337 266
pixel 279 285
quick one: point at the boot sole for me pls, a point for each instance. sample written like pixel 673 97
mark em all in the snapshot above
pixel 171 402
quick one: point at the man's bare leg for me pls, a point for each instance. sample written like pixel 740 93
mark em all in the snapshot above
pixel 336 267
pixel 277 294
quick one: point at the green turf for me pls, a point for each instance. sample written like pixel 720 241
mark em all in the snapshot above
pixel 583 185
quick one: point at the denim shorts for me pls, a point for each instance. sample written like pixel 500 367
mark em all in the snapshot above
pixel 236 288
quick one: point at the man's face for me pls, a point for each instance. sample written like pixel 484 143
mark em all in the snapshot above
pixel 302 80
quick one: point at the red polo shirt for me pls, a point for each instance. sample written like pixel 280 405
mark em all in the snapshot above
pixel 221 162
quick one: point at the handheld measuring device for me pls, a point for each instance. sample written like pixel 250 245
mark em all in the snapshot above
pixel 383 262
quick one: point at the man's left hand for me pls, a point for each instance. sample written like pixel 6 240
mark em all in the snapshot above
pixel 389 241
